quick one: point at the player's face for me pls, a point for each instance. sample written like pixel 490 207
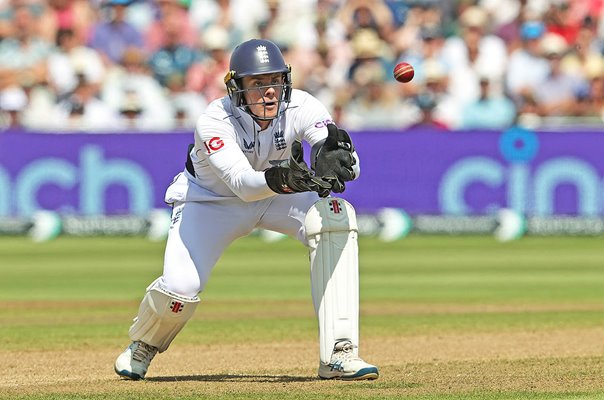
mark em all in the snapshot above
pixel 263 94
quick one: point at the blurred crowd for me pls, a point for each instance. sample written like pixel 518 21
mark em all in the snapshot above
pixel 154 65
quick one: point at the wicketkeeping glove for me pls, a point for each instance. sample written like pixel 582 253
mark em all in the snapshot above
pixel 334 160
pixel 293 175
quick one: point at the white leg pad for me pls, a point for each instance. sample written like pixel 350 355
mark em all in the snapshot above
pixel 331 230
pixel 161 315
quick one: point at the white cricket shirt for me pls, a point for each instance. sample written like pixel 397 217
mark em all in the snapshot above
pixel 231 153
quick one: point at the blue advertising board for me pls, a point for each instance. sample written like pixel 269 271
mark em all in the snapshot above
pixel 421 171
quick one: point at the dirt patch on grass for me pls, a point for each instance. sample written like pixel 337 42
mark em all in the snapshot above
pixel 570 360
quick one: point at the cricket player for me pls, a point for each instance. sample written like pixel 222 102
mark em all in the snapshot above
pixel 245 171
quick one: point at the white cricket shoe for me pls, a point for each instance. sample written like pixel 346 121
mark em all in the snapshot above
pixel 346 366
pixel 134 361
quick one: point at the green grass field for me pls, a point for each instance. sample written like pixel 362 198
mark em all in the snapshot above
pixel 443 318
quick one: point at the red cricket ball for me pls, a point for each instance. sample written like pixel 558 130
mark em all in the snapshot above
pixel 403 72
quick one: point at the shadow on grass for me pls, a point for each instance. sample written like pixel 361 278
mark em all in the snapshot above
pixel 232 378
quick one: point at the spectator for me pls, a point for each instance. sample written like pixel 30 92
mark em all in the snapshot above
pixel 187 105
pixel 23 54
pixel 503 12
pixel 75 15
pixel 557 95
pixel 443 109
pixel 333 51
pixel 45 26
pixel 316 78
pixel 376 104
pixel 41 104
pixel 367 24
pixel 291 24
pixel 206 75
pixel 114 35
pixel 131 112
pixel 561 21
pixel 426 102
pixel 367 47
pixel 492 110
pixel 141 14
pixel 421 17
pixel 527 67
pixel 429 51
pixel 83 111
pixel 172 20
pixel 592 106
pixel 357 15
pixel 585 52
pixel 13 101
pixel 70 59
pixel 6 18
pixel 240 18
pixel 174 56
pixel 474 53
pixel 131 82
pixel 510 29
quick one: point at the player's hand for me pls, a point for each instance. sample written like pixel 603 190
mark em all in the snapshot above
pixel 334 160
pixel 294 176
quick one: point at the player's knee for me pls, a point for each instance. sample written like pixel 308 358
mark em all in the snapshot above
pixel 188 285
pixel 331 214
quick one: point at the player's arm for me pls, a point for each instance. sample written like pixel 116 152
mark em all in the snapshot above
pixel 230 164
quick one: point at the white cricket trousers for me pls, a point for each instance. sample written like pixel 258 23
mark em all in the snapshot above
pixel 201 231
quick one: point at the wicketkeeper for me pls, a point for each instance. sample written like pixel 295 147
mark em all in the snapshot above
pixel 246 171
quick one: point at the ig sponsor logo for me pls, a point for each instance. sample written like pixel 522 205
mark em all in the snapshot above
pixel 213 145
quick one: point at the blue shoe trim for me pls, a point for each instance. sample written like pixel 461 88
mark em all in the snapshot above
pixel 127 374
pixel 364 372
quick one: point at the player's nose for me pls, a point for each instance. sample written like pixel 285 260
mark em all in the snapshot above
pixel 270 93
